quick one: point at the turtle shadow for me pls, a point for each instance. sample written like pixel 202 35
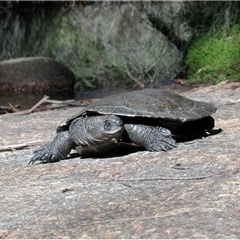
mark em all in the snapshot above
pixel 124 148
pixel 118 151
pixel 188 136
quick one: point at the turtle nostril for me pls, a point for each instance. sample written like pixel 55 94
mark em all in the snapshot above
pixel 107 125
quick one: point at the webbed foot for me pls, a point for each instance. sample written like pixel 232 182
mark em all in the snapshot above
pixel 152 138
pixel 55 150
pixel 44 154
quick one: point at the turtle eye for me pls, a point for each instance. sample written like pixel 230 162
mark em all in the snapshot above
pixel 107 125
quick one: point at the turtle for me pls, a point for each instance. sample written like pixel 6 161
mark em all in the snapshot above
pixel 153 119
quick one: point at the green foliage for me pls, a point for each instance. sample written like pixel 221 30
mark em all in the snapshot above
pixel 215 57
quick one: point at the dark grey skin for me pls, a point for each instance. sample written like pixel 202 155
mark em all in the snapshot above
pixel 100 132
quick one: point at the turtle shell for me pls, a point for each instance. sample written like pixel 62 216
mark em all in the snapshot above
pixel 148 103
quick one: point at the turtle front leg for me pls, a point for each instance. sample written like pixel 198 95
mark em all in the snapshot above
pixel 152 138
pixel 55 150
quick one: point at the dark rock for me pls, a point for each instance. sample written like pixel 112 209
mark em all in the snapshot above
pixel 35 74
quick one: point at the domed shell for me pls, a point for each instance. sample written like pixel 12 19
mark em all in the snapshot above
pixel 149 103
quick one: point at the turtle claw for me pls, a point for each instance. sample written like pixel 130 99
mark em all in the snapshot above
pixel 154 139
pixel 163 140
pixel 43 155
pixel 54 151
pixel 36 161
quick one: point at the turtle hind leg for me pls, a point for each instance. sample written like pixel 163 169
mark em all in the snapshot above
pixel 152 138
pixel 55 150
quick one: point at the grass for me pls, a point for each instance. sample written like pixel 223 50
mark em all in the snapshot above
pixel 215 57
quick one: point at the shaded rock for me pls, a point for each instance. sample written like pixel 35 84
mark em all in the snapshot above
pixel 129 43
pixel 35 74
pixel 172 20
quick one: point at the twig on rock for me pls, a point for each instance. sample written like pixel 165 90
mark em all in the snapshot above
pixel 9 109
pixel 45 99
pixel 14 109
pixel 20 146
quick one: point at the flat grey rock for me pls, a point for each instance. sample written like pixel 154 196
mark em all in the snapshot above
pixel 84 198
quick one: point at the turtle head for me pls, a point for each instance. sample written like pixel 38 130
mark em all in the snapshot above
pixel 105 127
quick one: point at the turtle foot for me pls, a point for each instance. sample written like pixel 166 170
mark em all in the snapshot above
pixel 152 138
pixel 44 154
pixel 161 140
pixel 54 151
